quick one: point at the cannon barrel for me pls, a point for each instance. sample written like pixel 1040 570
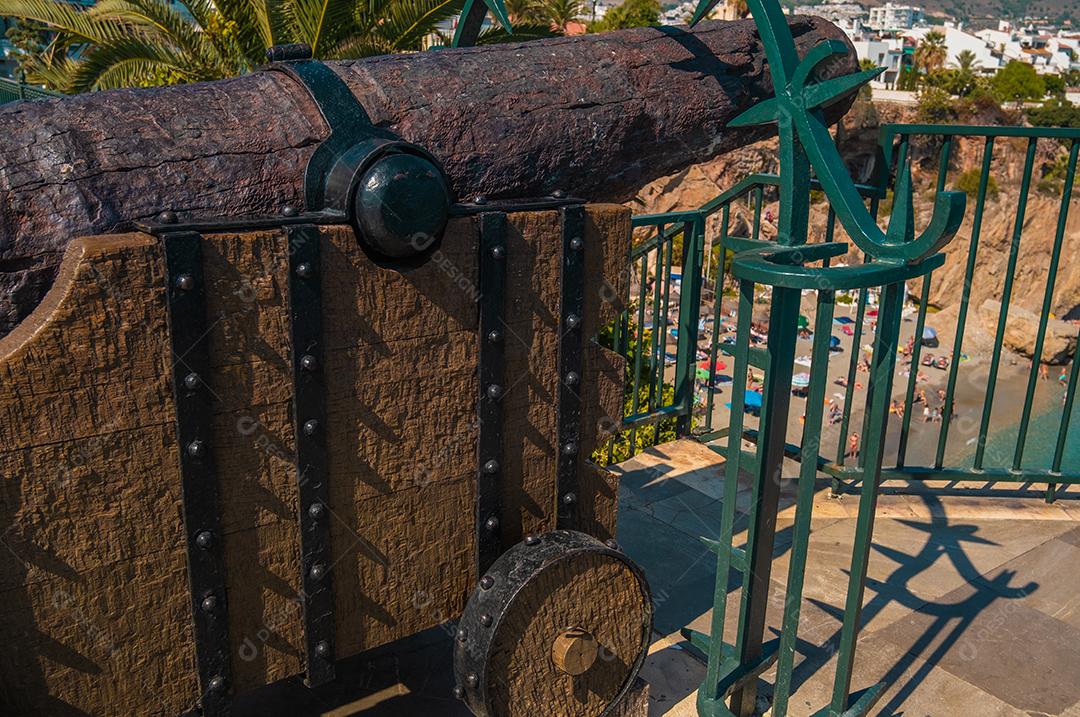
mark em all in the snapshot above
pixel 597 116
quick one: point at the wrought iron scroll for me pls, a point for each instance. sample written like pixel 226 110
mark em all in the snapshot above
pixel 188 335
pixel 897 255
pixel 309 420
pixel 492 381
pixel 571 315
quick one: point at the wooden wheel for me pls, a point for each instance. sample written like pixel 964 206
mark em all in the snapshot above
pixel 559 626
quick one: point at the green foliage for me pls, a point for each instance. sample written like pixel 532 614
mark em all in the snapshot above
pixel 968 183
pixel 1053 179
pixel 960 83
pixel 934 105
pixel 648 435
pixel 1055 112
pixel 1055 84
pixel 631 13
pixel 560 13
pixel 908 80
pixel 866 92
pixel 135 43
pixel 1017 82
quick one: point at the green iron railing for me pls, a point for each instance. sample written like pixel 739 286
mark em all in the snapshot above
pixel 709 226
pixel 13 91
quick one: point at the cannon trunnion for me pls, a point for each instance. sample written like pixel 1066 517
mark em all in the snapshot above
pixel 262 431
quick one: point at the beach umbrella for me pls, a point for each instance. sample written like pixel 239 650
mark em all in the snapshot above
pixel 804 322
pixel 928 332
pixel 800 380
pixel 723 378
pixel 834 342
pixel 843 320
pixel 719 365
pixel 752 399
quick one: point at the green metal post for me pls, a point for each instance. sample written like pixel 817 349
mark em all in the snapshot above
pixel 689 313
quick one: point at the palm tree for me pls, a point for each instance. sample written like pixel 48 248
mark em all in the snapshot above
pixel 561 13
pixel 524 11
pixel 931 52
pixel 124 43
pixel 967 61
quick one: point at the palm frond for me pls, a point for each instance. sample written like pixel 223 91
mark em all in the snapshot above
pixel 523 32
pixel 318 22
pixel 405 23
pixel 63 16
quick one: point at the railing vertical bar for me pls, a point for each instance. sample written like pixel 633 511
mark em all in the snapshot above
pixel 759 198
pixel 689 313
pixel 849 390
pixel 663 333
pixel 731 481
pixel 1066 417
pixel 718 314
pixel 1047 305
pixel 811 444
pixel 658 280
pixel 639 349
pixel 1006 295
pixel 965 299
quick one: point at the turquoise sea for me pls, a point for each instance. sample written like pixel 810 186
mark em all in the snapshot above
pixel 1040 444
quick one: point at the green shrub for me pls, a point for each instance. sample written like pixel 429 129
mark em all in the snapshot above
pixel 968 183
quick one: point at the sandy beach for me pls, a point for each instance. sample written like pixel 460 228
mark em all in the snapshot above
pixel 923 435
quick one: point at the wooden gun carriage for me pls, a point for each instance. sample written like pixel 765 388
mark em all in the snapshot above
pixel 240 449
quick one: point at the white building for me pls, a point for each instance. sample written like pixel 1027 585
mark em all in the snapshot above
pixel 887 53
pixel 895 17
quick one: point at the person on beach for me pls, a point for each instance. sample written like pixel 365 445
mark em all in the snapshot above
pixel 941 394
pixel 926 413
pixel 853 446
pixel 1044 372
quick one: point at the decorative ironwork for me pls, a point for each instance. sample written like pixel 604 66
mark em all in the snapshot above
pixel 571 315
pixel 492 339
pixel 309 420
pixel 897 255
pixel 471 20
pixel 198 471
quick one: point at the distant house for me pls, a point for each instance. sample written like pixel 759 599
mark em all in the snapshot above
pixel 895 17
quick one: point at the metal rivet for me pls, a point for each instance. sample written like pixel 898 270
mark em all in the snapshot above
pixel 487 582
pixel 204 539
pixel 308 362
pixel 611 543
pixel 531 540
pixel 217 683
pixel 572 378
pixel 167 217
pixel 569 448
pixel 494 336
pixel 479 199
pixel 317 571
pixel 311 426
pixel 486 620
pixel 558 194
pixel 185 282
pixel 472 680
pixel 492 523
pixel 491 466
pixel 572 321
pixel 305 270
pixel 322 648
pixel 196 449
pixel 191 381
pixel 316 510
pixel 462 634
pixel 498 252
pixel 569 499
pixel 209 603
pixel 459 693
pixel 494 391
pixel 289 210
pixel 576 243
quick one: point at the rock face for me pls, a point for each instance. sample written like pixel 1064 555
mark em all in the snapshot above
pixel 1022 328
pixel 597 116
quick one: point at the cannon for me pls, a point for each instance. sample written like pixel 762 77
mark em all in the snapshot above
pixel 243 446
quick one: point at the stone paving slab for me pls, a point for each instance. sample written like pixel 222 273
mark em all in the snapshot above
pixel 1002 564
